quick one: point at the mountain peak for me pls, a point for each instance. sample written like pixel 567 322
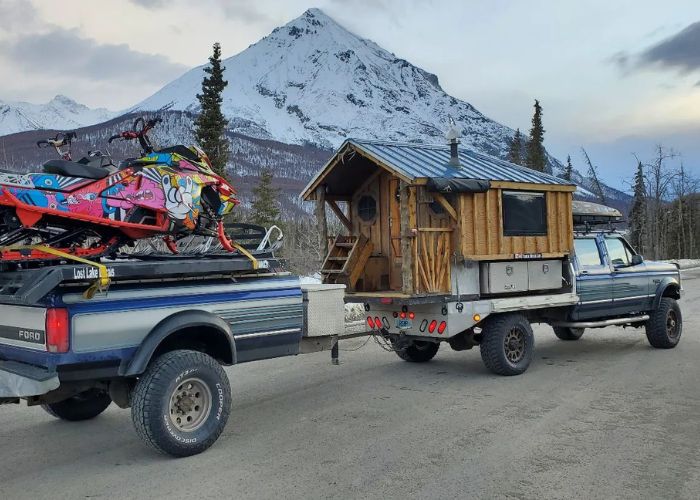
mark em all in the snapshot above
pixel 63 100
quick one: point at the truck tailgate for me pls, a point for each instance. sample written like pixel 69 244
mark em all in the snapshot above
pixel 23 327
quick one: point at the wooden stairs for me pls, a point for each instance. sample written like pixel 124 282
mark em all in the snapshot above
pixel 346 260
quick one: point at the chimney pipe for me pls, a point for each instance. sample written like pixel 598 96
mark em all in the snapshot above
pixel 452 136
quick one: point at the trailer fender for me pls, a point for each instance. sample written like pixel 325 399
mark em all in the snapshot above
pixel 668 287
pixel 185 329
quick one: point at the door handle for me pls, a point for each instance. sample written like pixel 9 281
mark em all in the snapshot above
pixel 584 273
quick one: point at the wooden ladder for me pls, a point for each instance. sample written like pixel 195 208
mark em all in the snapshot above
pixel 346 260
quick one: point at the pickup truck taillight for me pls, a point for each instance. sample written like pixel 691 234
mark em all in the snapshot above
pixel 57 330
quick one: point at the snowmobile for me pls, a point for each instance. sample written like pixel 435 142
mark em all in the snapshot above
pixel 91 207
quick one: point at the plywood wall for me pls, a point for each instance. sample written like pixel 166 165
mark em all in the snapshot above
pixel 481 228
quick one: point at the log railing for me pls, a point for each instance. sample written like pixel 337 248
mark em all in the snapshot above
pixel 431 260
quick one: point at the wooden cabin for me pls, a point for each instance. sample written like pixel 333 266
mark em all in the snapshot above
pixel 413 211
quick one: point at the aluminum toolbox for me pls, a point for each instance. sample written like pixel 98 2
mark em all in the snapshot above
pixel 544 274
pixel 504 277
pixel 324 309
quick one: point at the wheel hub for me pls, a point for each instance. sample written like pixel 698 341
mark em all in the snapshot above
pixel 671 324
pixel 514 345
pixel 190 405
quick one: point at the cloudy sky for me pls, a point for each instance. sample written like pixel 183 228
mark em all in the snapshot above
pixel 615 77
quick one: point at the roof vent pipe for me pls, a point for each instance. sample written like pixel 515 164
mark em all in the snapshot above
pixel 452 137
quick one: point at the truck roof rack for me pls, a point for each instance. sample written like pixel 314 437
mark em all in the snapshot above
pixel 29 286
pixel 587 215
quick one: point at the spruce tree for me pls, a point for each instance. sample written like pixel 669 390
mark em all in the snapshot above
pixel 637 216
pixel 536 158
pixel 210 124
pixel 265 208
pixel 515 148
pixel 568 169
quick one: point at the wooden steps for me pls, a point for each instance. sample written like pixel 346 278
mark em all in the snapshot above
pixel 346 260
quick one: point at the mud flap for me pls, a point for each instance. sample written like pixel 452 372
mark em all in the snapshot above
pixel 19 380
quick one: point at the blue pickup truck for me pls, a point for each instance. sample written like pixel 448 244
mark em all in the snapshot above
pixel 156 342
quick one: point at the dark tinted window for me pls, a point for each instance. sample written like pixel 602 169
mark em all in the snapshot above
pixel 524 214
pixel 587 252
pixel 618 253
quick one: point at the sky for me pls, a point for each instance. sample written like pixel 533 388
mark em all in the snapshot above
pixel 618 78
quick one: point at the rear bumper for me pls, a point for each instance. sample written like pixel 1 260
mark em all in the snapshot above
pixel 20 380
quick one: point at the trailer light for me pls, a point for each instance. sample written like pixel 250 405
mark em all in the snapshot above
pixel 476 318
pixel 370 322
pixel 403 315
pixel 411 315
pixel 441 328
pixel 423 325
pixel 377 322
pixel 57 330
pixel 386 300
pixel 395 314
pixel 385 322
pixel 431 326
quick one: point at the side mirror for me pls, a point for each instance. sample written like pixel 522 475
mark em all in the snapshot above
pixel 637 259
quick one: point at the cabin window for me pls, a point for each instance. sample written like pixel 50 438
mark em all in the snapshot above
pixel 524 213
pixel 367 208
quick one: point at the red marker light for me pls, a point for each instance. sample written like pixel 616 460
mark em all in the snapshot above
pixel 395 314
pixel 411 315
pixel 431 326
pixel 377 322
pixel 57 330
pixel 441 328
pixel 370 322
pixel 403 315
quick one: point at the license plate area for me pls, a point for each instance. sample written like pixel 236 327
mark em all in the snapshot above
pixel 404 324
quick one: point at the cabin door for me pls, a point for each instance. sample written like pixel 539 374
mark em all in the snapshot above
pixel 395 232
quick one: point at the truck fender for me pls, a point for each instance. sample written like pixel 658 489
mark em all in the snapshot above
pixel 173 325
pixel 667 287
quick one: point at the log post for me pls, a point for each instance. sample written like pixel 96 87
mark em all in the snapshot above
pixel 405 201
pixel 321 219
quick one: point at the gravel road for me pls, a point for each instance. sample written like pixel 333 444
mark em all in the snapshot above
pixel 604 417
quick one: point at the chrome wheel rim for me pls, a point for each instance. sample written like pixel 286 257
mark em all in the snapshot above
pixel 514 345
pixel 190 405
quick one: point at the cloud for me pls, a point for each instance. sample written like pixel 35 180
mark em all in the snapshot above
pixel 61 51
pixel 149 4
pixel 16 15
pixel 680 51
pixel 244 10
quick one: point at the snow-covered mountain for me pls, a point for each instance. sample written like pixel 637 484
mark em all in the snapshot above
pixel 313 81
pixel 60 113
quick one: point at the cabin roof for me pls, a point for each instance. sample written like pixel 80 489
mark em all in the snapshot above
pixel 414 162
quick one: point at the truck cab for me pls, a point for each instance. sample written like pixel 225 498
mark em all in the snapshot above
pixel 614 280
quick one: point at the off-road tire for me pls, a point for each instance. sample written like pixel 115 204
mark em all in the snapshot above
pixel 161 387
pixel 567 333
pixel 419 351
pixel 507 344
pixel 83 406
pixel 665 325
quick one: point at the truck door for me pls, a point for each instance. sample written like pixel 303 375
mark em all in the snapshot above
pixel 593 278
pixel 630 283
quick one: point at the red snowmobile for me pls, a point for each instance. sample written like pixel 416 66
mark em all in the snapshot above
pixel 91 207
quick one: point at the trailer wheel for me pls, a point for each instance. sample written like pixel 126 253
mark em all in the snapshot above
pixel 181 403
pixel 83 406
pixel 665 325
pixel 418 351
pixel 566 333
pixel 507 344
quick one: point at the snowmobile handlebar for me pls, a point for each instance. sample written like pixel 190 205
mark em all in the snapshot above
pixel 61 139
pixel 140 131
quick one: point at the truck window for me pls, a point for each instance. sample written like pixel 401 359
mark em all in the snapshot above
pixel 587 252
pixel 524 213
pixel 619 255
